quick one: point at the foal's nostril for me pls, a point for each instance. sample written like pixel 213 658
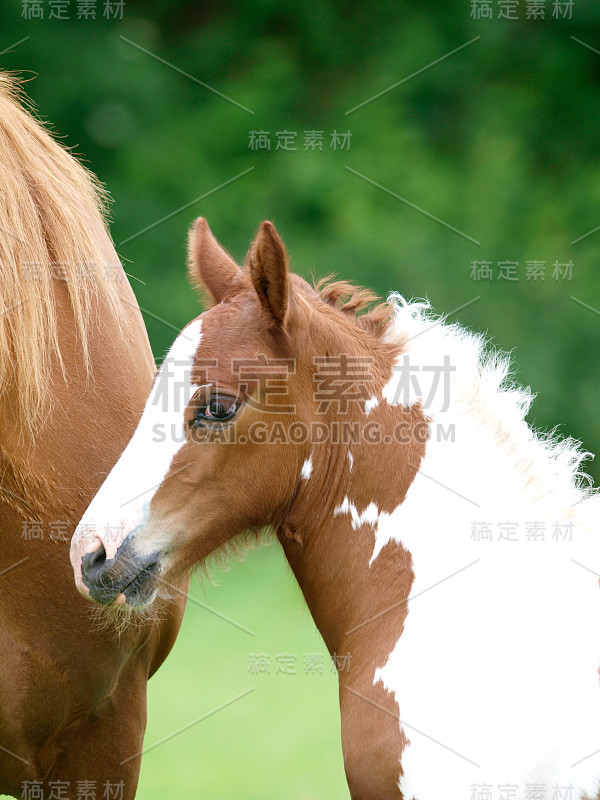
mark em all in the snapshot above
pixel 127 573
pixel 93 562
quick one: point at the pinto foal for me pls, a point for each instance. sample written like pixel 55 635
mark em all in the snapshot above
pixel 473 659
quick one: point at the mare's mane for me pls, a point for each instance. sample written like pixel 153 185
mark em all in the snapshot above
pixel 52 228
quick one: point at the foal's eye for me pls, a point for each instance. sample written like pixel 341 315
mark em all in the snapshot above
pixel 218 409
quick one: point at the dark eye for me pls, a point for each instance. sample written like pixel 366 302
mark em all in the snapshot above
pixel 218 409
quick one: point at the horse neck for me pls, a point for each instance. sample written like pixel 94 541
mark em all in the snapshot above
pixel 352 535
pixel 329 534
pixel 53 477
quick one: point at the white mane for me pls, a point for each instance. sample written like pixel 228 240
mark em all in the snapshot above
pixel 543 466
pixel 498 658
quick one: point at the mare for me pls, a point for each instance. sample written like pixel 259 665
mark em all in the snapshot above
pixel 75 370
pixel 448 552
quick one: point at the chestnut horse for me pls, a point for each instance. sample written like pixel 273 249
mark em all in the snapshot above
pixel 75 369
pixel 446 551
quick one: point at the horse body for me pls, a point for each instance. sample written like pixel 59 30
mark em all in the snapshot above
pixel 465 661
pixel 495 673
pixel 77 367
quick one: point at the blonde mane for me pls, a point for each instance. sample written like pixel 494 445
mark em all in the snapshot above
pixel 52 228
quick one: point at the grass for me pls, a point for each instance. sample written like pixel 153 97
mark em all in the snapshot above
pixel 280 740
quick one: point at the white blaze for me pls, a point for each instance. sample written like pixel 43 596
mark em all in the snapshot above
pixel 122 503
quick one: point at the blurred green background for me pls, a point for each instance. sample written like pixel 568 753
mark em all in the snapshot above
pixel 498 140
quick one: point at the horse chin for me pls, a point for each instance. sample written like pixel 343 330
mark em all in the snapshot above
pixel 140 592
pixel 138 600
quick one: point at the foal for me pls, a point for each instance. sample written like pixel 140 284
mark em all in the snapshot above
pixel 433 534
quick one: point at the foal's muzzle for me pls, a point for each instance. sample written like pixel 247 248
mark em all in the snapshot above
pixel 128 573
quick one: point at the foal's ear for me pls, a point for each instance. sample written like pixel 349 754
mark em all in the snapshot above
pixel 268 263
pixel 210 265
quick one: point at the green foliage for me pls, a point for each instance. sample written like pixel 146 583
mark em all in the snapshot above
pixel 282 739
pixel 498 140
